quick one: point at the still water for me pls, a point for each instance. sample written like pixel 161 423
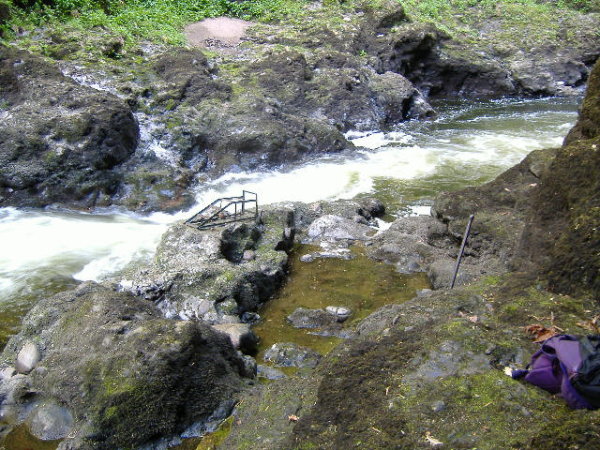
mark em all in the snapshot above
pixel 43 252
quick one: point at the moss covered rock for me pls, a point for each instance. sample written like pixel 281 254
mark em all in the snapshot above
pixel 60 146
pixel 216 275
pixel 124 374
pixel 563 237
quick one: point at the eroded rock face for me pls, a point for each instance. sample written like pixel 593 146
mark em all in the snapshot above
pixel 217 275
pixel 114 373
pixel 562 236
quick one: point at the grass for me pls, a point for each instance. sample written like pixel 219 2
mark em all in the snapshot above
pixel 148 20
pixel 162 21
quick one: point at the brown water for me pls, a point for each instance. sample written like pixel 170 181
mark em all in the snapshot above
pixel 361 284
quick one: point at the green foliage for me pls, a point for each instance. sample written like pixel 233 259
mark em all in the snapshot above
pixel 159 21
pixel 162 21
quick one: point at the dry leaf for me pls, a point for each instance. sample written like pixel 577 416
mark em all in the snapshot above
pixel 432 441
pixel 293 418
pixel 540 332
pixel 473 319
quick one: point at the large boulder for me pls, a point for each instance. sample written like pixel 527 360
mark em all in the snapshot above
pixel 216 275
pixel 500 208
pixel 113 373
pixel 59 141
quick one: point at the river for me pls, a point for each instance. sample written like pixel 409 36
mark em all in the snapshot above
pixel 45 251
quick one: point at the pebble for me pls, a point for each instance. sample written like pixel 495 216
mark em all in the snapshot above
pixel 341 312
pixel 27 358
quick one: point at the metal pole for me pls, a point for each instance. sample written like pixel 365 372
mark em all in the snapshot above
pixel 462 249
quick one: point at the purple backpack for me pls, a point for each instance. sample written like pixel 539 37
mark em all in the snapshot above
pixel 553 368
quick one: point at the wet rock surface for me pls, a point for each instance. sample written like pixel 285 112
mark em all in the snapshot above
pixel 429 371
pixel 288 354
pixel 60 142
pixel 202 274
pixel 150 126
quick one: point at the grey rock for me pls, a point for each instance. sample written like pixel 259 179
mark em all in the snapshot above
pixel 335 228
pixel 341 313
pixel 311 318
pixel 292 355
pixel 449 359
pixel 442 270
pixel 27 358
pixel 270 373
pixel 50 422
pixel 106 349
pixel 240 335
pixel 250 366
pixel 438 406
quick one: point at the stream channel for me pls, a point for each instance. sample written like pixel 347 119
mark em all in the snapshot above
pixel 46 251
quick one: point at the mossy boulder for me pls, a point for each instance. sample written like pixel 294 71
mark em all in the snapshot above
pixel 588 123
pixel 123 374
pixel 59 142
pixel 430 370
pixel 563 237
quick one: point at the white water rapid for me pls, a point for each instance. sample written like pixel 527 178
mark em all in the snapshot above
pixel 468 144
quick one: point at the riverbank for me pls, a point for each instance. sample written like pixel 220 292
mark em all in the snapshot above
pixel 430 372
pixel 146 127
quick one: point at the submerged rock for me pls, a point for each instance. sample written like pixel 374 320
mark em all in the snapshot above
pixel 49 422
pixel 311 318
pixel 292 355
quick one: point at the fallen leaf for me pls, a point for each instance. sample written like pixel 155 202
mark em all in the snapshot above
pixel 432 441
pixel 473 319
pixel 540 332
pixel 293 418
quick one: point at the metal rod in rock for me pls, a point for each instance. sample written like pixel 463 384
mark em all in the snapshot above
pixel 462 250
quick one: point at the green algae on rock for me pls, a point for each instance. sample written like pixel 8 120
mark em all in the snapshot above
pixel 127 376
pixel 563 235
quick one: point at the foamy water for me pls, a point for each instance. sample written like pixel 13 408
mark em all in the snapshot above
pixel 466 138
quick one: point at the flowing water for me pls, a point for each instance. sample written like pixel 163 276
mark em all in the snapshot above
pixel 43 252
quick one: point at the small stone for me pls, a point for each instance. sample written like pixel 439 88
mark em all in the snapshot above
pixel 27 358
pixel 438 406
pixel 340 312
pixel 307 258
pixel 249 255
pixel 250 317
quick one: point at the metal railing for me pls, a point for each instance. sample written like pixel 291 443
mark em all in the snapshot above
pixel 226 210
